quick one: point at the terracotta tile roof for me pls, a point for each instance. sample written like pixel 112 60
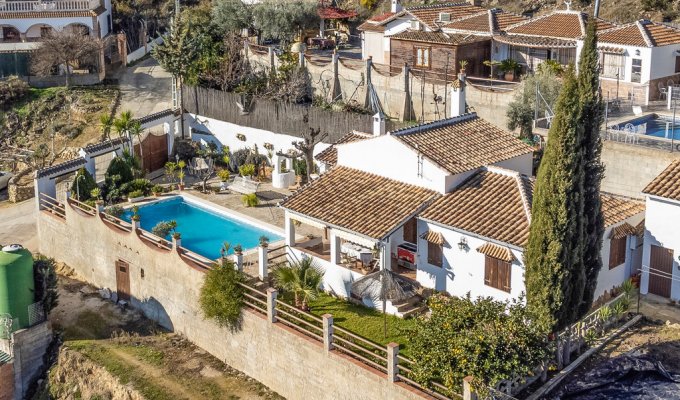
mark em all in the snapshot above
pixel 506 19
pixel 429 14
pixel 490 204
pixel 360 202
pixel 661 34
pixel 626 35
pixel 640 228
pixel 330 155
pixel 462 144
pixel 437 37
pixel 335 13
pixel 641 33
pixel 560 24
pixel 615 209
pixel 488 21
pixel 433 237
pixel 667 184
pixel 535 41
pixel 368 26
pixel 61 168
pixel 381 17
pixel 621 231
pixel 611 50
pixel 496 251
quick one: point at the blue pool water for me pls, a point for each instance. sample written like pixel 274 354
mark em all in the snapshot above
pixel 203 231
pixel 657 125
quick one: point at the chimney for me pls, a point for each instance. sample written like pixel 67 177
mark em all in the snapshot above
pixel 458 96
pixel 396 6
pixel 476 3
pixel 379 127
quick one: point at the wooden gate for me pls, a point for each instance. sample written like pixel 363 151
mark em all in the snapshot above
pixel 154 153
pixel 123 280
pixel 661 271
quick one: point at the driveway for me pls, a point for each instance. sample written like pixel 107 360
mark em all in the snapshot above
pixel 145 88
pixel 18 224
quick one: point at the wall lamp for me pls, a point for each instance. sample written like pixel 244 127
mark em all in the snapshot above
pixel 462 245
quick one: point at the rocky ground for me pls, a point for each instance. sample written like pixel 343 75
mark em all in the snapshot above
pixel 112 353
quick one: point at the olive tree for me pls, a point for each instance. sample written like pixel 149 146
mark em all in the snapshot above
pixel 64 49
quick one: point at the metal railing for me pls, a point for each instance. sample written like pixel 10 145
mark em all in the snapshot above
pixel 87 209
pixel 154 239
pixel 56 5
pixel 360 348
pixel 51 205
pixel 303 322
pixel 254 298
pixel 117 222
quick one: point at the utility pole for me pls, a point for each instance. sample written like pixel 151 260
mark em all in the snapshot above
pixel 177 81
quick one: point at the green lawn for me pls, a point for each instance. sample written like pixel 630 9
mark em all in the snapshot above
pixel 363 321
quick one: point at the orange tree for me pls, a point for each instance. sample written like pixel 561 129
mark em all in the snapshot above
pixel 487 339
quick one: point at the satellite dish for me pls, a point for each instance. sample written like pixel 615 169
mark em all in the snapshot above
pixel 11 248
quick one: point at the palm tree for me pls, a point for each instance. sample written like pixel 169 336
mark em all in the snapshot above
pixel 135 131
pixel 302 278
pixel 106 121
pixel 123 123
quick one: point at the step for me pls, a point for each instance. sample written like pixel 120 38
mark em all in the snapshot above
pixel 410 302
pixel 413 312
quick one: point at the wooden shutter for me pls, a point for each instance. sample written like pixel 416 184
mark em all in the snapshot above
pixel 677 64
pixel 434 254
pixel 617 252
pixel 660 271
pixel 411 231
pixel 497 273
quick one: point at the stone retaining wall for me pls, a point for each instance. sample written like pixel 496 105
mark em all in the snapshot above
pixel 166 289
pixel 18 193
pixel 7 381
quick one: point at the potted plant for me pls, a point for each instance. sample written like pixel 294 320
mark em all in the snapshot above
pixel 247 170
pixel 157 190
pixel 170 171
pixel 264 241
pixel 511 69
pixel 135 196
pixel 224 176
pixel 492 64
pixel 250 200
pixel 176 235
pixel 135 214
pixel 181 174
pixel 238 249
pixel 96 193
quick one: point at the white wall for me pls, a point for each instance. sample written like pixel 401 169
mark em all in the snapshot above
pixel 462 271
pixel 224 133
pixel 522 164
pixel 661 229
pixel 373 47
pixel 610 278
pixel 336 280
pixel 663 61
pixel 31 26
pixel 388 157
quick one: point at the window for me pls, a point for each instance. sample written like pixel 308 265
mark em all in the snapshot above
pixel 422 57
pixel 411 231
pixel 434 254
pixel 45 31
pixel 611 65
pixel 497 273
pixel 677 64
pixel 636 71
pixel 617 252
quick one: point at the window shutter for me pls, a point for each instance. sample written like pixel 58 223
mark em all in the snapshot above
pixel 617 252
pixel 411 231
pixel 497 273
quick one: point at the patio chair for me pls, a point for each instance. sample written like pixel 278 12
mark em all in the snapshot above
pixel 663 91
pixel 630 133
pixel 670 82
pixel 613 132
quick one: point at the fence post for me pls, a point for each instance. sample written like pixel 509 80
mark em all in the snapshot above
pixel 238 261
pixel 271 304
pixel 135 225
pixel 272 64
pixel 468 392
pixel 327 332
pixel 392 361
pixel 262 262
pixel 367 100
pixel 176 243
pixel 407 110
pixel 336 91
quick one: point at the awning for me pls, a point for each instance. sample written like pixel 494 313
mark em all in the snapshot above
pixel 433 237
pixel 540 42
pixel 496 251
pixel 612 50
pixel 622 231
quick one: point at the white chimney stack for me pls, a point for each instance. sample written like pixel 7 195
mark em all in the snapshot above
pixel 396 6
pixel 458 96
pixel 379 126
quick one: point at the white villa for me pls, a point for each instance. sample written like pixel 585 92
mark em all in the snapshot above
pixel 446 205
pixel 660 266
pixel 638 59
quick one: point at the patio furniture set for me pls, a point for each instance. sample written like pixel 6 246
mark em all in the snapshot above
pixel 628 134
pixel 663 90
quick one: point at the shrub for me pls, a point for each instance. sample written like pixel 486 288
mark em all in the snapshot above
pixel 140 184
pixel 224 175
pixel 135 193
pixel 164 228
pixel 45 278
pixel 238 158
pixel 250 200
pixel 488 339
pixel 157 189
pixel 120 167
pixel 83 185
pixel 247 170
pixel 221 296
pixel 302 278
pixel 12 90
pixel 116 211
pixel 96 193
pixel 257 159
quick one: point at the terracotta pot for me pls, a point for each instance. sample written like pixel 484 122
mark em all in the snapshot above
pixel 510 76
pixel 180 186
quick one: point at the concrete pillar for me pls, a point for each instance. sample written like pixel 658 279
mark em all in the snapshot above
pixel 238 261
pixel 336 90
pixel 272 64
pixel 458 96
pixel 262 262
pixel 135 225
pixel 669 98
pixel 392 361
pixel 290 230
pixel 335 248
pixel 369 67
pixel 176 243
pixel 322 27
pixel 386 255
pixel 301 58
pixel 468 393
pixel 271 305
pixel 327 332
pixel 407 113
pixel 277 163
pixel 379 125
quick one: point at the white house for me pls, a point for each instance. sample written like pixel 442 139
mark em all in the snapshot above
pixel 660 262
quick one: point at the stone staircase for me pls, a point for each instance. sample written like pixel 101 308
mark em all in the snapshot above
pixel 413 306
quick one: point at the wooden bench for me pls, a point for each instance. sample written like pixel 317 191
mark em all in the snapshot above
pixel 243 185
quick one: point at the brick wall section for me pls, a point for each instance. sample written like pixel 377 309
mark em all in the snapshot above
pixel 7 381
pixel 292 365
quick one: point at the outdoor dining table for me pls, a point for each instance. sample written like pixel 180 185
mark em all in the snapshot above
pixel 362 254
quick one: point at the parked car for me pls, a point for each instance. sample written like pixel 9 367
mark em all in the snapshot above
pixel 4 179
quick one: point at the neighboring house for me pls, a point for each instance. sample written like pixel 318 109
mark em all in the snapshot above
pixel 660 266
pixel 637 59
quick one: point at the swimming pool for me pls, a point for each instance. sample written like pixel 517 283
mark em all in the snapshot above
pixel 203 230
pixel 656 125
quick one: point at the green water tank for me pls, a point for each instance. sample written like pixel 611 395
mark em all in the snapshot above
pixel 16 283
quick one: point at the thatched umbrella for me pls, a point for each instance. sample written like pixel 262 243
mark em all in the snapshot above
pixel 381 286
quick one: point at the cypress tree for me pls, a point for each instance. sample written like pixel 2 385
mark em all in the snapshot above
pixel 591 119
pixel 554 252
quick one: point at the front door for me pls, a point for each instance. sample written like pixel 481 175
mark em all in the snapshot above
pixel 661 271
pixel 123 280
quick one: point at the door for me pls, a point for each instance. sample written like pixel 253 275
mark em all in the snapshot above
pixel 155 151
pixel 661 271
pixel 123 280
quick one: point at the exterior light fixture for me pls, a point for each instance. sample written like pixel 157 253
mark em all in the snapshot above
pixel 462 245
pixel 637 53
